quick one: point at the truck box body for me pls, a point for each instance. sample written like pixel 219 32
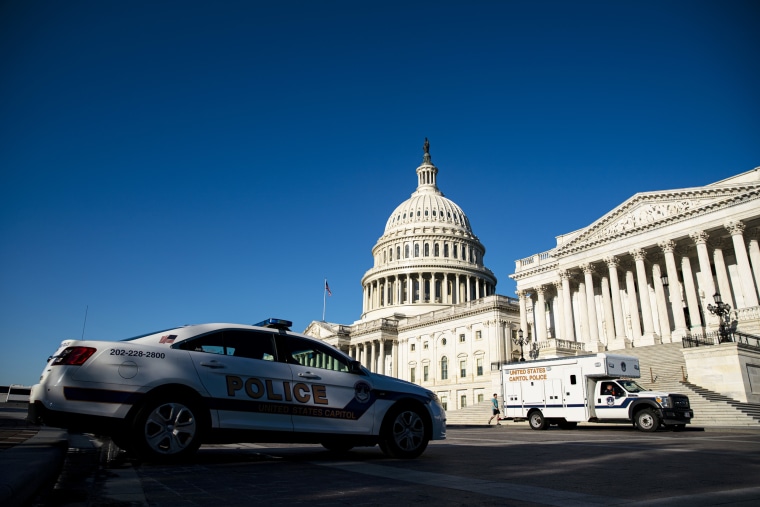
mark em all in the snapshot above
pixel 595 388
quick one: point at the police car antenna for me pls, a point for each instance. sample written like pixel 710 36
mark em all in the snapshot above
pixel 85 319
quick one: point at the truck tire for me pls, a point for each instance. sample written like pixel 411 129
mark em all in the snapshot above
pixel 646 420
pixel 537 420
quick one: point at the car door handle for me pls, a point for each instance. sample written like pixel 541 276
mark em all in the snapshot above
pixel 212 364
pixel 308 374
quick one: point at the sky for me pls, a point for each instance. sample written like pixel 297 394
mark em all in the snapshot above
pixel 176 162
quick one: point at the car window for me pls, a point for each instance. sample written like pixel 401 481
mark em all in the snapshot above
pixel 234 342
pixel 308 353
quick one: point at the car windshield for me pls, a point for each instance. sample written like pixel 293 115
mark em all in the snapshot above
pixel 631 386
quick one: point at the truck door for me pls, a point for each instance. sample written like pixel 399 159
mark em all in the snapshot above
pixel 574 395
pixel 512 399
pixel 610 401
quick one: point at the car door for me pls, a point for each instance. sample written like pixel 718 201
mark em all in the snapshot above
pixel 611 405
pixel 247 384
pixel 328 397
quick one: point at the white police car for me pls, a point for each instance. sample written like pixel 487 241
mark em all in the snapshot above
pixel 161 395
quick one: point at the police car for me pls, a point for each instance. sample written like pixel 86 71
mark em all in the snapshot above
pixel 162 395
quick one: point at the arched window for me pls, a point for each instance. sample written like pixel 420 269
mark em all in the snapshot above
pixel 445 249
pixel 436 250
pixel 390 254
pixel 406 251
pixel 444 368
pixel 427 250
pixel 398 252
pixel 455 252
pixel 416 250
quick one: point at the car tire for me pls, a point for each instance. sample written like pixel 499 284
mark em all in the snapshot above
pixel 166 429
pixel 405 434
pixel 647 420
pixel 537 421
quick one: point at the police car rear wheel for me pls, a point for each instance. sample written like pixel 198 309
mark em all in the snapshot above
pixel 405 435
pixel 164 430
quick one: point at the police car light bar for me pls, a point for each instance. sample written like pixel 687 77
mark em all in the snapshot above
pixel 281 324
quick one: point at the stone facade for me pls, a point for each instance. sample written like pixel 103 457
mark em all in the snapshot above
pixel 645 272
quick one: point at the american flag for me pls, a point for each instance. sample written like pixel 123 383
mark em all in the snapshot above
pixel 167 338
pixel 327 288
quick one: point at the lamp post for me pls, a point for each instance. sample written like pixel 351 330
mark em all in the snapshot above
pixel 521 340
pixel 722 310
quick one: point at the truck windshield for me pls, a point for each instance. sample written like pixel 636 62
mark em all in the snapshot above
pixel 631 386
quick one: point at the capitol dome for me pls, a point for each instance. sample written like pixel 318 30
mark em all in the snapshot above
pixel 428 256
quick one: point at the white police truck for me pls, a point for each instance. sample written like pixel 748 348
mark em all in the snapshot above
pixel 595 388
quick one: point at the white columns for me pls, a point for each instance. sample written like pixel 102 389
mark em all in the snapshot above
pixel 394 359
pixel 583 303
pixel 381 356
pixel 649 337
pixel 742 260
pixel 617 304
pixel 705 272
pixel 754 256
pixel 662 304
pixel 609 321
pixel 633 306
pixel 593 332
pixel 523 311
pixel 540 314
pixel 691 293
pixel 567 307
pixel 724 287
pixel 558 311
pixel 372 363
pixel 674 287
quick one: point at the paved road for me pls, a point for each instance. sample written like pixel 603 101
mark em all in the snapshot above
pixel 505 466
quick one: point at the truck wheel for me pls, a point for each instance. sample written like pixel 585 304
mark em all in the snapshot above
pixel 646 420
pixel 405 433
pixel 166 429
pixel 537 421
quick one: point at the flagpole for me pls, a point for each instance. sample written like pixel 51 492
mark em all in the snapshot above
pixel 324 300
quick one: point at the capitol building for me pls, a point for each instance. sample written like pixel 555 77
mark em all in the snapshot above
pixel 646 273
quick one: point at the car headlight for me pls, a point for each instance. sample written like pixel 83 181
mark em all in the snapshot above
pixel 665 402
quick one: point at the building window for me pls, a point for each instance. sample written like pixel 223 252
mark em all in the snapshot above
pixel 425 345
pixel 445 249
pixel 406 251
pixel 454 254
pixel 461 338
pixel 444 368
pixel 390 254
pixel 416 250
pixel 463 401
pixel 398 252
pixel 425 372
pixel 463 368
pixel 445 403
pixel 478 335
pixel 479 365
pixel 427 250
pixel 413 346
pixel 480 398
pixel 443 341
pixel 436 250
pixel 412 374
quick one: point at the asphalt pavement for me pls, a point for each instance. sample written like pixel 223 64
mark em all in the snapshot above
pixel 31 457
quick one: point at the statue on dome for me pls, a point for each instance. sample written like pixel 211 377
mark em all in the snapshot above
pixel 426 147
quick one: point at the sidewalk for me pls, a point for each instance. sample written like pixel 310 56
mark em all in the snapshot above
pixel 31 456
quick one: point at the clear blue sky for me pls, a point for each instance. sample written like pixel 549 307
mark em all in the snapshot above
pixel 175 162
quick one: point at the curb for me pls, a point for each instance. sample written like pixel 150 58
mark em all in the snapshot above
pixel 28 468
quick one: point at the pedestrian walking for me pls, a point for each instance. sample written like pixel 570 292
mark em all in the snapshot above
pixel 496 411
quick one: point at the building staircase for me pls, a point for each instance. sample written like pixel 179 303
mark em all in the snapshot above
pixel 663 368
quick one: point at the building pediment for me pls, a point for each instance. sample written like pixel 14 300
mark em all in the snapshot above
pixel 320 330
pixel 649 210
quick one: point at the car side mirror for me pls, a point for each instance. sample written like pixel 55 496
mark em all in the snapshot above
pixel 355 367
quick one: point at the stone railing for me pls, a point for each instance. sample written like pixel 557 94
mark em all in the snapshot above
pixel 534 261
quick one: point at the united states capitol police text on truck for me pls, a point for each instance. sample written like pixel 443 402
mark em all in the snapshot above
pixel 596 388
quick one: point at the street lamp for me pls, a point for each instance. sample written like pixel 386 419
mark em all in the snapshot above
pixel 722 310
pixel 521 340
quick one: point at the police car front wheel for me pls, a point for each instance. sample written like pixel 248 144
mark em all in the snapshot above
pixel 167 429
pixel 405 434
